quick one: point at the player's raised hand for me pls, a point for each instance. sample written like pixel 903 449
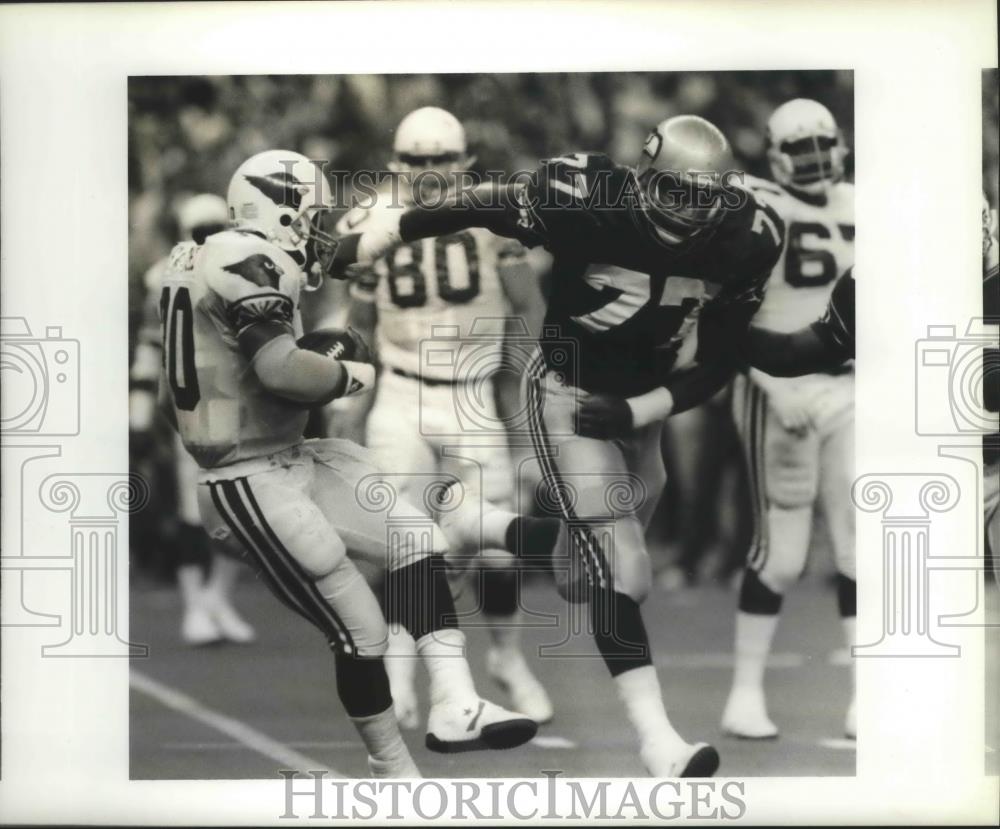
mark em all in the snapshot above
pixel 604 417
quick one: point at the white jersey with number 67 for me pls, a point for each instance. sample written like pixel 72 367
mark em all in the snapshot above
pixel 819 247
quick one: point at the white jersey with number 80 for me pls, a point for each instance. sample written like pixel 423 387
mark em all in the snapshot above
pixel 446 289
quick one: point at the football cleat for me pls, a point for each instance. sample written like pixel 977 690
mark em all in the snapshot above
pixel 475 725
pixel 199 627
pixel 665 761
pixel 510 671
pixel 746 716
pixel 403 767
pixel 231 625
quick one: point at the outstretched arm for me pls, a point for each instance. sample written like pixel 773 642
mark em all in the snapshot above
pixel 821 346
pixel 492 206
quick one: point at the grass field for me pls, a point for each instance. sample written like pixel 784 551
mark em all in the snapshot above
pixel 231 712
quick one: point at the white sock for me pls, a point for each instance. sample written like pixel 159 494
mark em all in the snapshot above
pixel 754 634
pixel 443 652
pixel 639 691
pixel 222 577
pixel 400 658
pixel 380 734
pixel 190 580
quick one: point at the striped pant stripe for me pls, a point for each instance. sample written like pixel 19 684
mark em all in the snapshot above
pixel 753 421
pixel 583 542
pixel 238 507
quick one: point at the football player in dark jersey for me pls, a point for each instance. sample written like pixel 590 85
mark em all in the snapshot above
pixel 820 346
pixel 657 271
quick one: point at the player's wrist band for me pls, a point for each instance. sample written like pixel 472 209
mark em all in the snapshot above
pixel 649 407
pixel 359 377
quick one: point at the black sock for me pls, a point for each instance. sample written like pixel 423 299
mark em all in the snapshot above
pixel 619 632
pixel 362 685
pixel 757 598
pixel 533 540
pixel 499 592
pixel 847 596
pixel 192 546
pixel 418 597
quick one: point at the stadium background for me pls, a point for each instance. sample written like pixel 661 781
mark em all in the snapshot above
pixel 187 135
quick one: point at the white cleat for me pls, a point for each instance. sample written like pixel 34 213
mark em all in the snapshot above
pixel 851 721
pixel 746 716
pixel 474 725
pixel 679 759
pixel 199 627
pixel 510 671
pixel 403 767
pixel 232 626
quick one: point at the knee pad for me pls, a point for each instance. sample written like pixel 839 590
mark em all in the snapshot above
pixel 789 531
pixel 791 469
pixel 308 536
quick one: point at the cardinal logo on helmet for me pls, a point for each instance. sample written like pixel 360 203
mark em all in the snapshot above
pixel 282 188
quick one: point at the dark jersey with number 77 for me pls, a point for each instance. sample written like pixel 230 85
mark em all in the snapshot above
pixel 622 306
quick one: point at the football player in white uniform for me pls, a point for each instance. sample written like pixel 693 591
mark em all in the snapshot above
pixel 438 309
pixel 241 387
pixel 798 432
pixel 205 580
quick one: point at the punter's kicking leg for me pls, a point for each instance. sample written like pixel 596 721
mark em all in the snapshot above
pixel 268 517
pixel 351 491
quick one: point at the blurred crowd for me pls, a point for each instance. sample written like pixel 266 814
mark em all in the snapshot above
pixel 188 134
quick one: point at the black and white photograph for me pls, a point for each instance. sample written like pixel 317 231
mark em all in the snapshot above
pixel 585 424
pixel 499 413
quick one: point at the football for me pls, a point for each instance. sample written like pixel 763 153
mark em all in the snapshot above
pixel 337 344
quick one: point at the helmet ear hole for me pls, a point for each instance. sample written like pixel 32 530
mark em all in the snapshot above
pixel 284 220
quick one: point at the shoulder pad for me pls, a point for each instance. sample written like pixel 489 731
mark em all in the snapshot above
pixel 240 264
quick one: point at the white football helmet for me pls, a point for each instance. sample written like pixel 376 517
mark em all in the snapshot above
pixel 429 149
pixel 284 196
pixel 805 146
pixel 201 215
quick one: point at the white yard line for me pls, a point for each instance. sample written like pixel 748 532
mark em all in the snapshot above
pixel 236 729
